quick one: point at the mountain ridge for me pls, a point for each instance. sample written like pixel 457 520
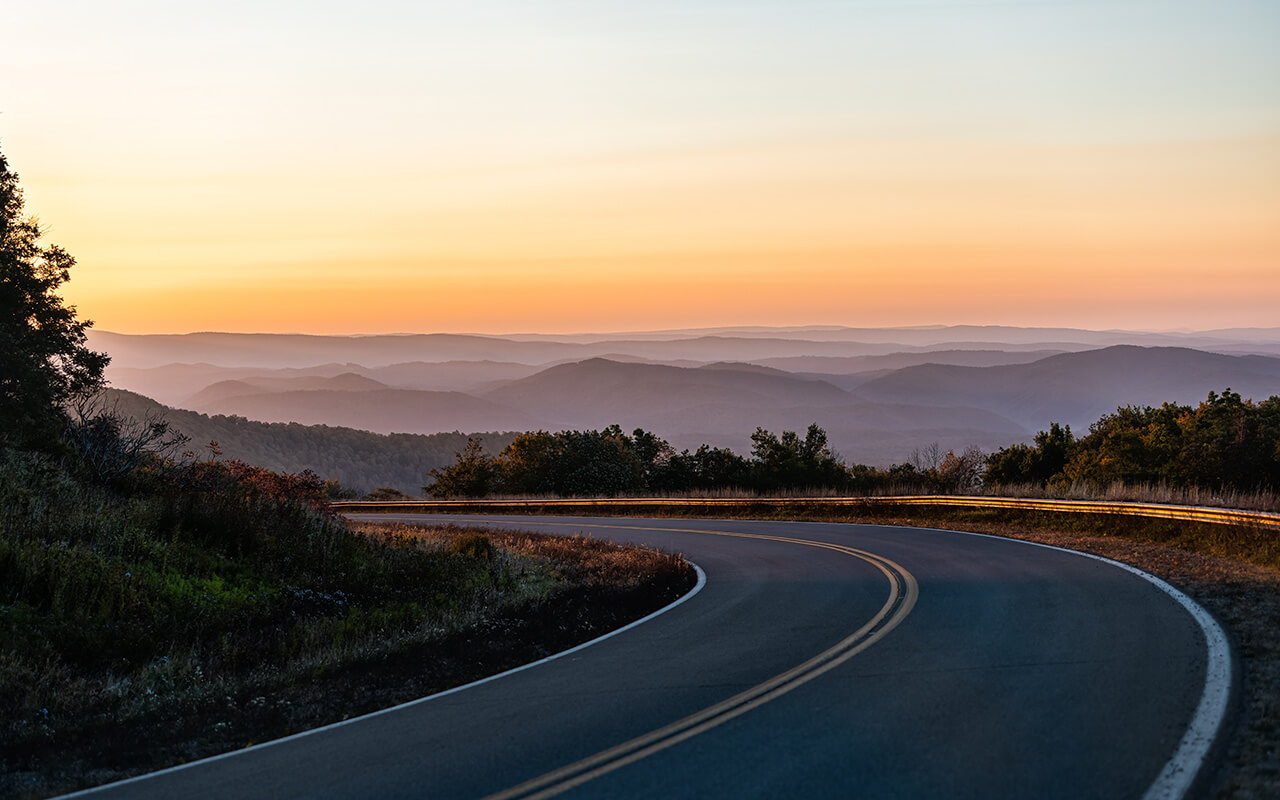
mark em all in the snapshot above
pixel 1077 388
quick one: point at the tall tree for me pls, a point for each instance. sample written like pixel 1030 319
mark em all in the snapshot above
pixel 44 362
pixel 789 462
pixel 473 475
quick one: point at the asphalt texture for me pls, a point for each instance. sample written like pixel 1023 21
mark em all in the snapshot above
pixel 1020 671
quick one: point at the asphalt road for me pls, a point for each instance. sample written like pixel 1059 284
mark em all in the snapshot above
pixel 828 661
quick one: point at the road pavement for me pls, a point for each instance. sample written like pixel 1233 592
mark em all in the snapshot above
pixel 818 660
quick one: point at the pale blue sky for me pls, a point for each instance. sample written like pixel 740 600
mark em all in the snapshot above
pixel 502 80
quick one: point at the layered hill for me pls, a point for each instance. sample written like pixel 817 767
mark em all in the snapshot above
pixel 178 383
pixel 877 399
pixel 275 351
pixel 723 404
pixel 1077 388
pixel 849 372
pixel 596 389
pixel 719 404
pixel 225 390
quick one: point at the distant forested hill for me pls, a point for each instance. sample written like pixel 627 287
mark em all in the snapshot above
pixel 357 459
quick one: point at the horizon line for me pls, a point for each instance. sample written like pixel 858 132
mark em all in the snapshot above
pixel 709 330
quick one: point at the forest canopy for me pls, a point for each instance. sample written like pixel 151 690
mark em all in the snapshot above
pixel 1225 442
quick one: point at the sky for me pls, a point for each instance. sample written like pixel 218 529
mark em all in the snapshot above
pixel 598 165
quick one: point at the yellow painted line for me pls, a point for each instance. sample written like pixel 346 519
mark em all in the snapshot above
pixel 903 593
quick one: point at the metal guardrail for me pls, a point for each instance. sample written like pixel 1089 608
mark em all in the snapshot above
pixel 1228 516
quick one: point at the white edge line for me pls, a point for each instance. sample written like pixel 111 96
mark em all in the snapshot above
pixel 1179 774
pixel 702 582
pixel 1175 780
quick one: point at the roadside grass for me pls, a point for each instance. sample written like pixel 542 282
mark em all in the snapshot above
pixel 1222 497
pixel 1249 544
pixel 190 613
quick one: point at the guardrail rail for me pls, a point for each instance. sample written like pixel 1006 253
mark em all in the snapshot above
pixel 1227 516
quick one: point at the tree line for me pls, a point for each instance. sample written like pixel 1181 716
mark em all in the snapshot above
pixel 1225 442
pixel 610 462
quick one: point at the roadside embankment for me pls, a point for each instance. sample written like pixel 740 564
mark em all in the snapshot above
pixel 240 654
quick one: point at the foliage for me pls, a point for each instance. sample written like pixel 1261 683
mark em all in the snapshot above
pixel 1225 442
pixel 473 475
pixel 789 461
pixel 606 462
pixel 610 463
pixel 106 445
pixel 1038 463
pixel 181 578
pixel 44 362
pixel 334 490
pixel 472 545
pixel 961 472
pixel 705 469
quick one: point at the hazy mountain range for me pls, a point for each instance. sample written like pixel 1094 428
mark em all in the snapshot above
pixel 880 393
pixel 720 344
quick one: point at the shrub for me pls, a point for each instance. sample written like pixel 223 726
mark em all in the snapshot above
pixel 473 545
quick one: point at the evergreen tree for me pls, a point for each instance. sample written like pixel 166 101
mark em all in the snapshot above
pixel 44 362
pixel 473 475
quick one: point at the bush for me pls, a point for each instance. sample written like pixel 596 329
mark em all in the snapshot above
pixel 220 564
pixel 472 545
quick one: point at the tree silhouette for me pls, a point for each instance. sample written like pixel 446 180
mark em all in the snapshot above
pixel 44 362
pixel 474 474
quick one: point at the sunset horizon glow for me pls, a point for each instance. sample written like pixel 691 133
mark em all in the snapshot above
pixel 335 168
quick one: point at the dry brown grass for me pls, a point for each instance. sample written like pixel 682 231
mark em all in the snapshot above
pixel 1225 497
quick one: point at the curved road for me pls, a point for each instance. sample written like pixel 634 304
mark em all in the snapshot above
pixel 818 660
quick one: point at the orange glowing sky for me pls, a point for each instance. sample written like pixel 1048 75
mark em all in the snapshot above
pixel 334 167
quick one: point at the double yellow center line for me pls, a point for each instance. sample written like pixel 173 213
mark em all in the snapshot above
pixel 903 592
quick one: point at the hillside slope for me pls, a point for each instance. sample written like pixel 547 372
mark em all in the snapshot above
pixel 357 459
pixel 380 410
pixel 588 393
